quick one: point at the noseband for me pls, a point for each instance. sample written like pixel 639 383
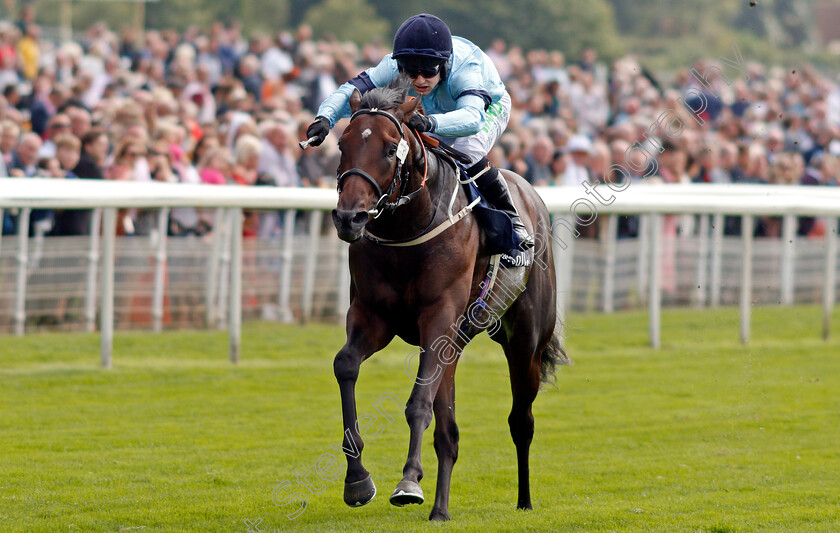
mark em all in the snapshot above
pixel 399 179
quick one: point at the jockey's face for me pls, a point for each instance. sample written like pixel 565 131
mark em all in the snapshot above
pixel 423 85
pixel 423 73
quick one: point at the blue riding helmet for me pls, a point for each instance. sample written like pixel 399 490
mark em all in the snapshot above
pixel 423 41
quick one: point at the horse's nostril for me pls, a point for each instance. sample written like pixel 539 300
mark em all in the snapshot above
pixel 360 218
pixel 349 220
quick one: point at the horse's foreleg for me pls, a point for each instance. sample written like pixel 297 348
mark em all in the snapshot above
pixel 365 335
pixel 440 349
pixel 446 442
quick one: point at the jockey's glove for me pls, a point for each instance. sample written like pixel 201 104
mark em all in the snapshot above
pixel 420 122
pixel 319 129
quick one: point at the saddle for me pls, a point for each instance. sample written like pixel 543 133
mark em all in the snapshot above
pixel 444 149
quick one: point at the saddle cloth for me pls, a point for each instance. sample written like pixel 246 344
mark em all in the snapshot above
pixel 497 228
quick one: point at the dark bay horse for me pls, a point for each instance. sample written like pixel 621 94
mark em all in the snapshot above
pixel 393 195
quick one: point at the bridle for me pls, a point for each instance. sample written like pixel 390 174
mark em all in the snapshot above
pixel 429 232
pixel 399 180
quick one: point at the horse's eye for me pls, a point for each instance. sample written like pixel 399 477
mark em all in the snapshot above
pixel 392 151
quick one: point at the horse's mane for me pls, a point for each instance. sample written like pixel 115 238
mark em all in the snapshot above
pixel 387 97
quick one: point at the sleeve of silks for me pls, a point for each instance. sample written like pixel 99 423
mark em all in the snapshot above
pixel 337 105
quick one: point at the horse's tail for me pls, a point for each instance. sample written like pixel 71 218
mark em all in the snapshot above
pixel 552 355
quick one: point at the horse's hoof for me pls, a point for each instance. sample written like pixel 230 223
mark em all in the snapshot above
pixel 359 493
pixel 438 516
pixel 407 492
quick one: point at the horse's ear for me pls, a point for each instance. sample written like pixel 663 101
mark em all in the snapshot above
pixel 404 111
pixel 355 100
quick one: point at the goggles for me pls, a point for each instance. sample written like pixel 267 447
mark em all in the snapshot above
pixel 419 68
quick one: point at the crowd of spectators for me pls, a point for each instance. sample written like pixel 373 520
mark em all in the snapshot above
pixel 214 106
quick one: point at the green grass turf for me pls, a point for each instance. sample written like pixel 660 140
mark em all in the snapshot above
pixel 703 435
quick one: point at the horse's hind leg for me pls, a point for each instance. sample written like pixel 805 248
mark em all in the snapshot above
pixel 524 366
pixel 366 334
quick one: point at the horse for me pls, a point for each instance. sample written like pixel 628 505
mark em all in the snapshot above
pixel 414 272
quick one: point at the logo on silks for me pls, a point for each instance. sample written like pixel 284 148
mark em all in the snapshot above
pixel 515 259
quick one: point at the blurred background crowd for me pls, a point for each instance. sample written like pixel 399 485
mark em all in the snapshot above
pixel 216 106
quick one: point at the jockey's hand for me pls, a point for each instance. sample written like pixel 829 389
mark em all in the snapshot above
pixel 420 122
pixel 319 129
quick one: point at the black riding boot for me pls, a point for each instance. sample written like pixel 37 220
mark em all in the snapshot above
pixel 494 188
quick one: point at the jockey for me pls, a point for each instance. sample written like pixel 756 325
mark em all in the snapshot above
pixel 466 101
